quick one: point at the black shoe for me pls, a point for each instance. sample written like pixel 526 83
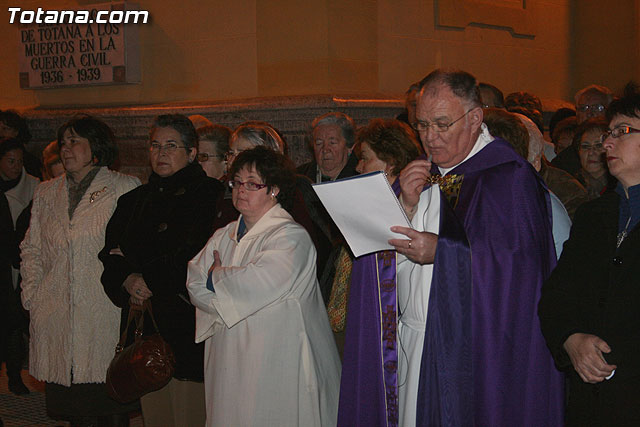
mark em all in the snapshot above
pixel 17 387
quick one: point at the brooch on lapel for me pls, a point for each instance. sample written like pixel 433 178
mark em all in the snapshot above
pixel 450 186
pixel 96 194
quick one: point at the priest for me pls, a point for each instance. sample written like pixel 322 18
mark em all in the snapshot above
pixel 469 272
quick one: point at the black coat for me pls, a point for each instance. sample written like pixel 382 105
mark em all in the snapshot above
pixel 596 290
pixel 7 254
pixel 309 169
pixel 329 249
pixel 159 227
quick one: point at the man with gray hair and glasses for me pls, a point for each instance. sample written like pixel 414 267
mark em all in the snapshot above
pixel 591 101
pixel 469 272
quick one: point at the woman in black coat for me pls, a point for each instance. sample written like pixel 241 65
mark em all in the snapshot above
pixel 590 306
pixel 154 232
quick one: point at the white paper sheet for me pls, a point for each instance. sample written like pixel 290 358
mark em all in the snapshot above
pixel 364 208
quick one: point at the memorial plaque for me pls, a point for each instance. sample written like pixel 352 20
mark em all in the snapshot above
pixel 61 50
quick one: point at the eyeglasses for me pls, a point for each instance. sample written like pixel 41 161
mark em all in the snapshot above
pixel 591 147
pixel 203 157
pixel 251 186
pixel 599 108
pixel 230 155
pixel 168 148
pixel 422 126
pixel 617 132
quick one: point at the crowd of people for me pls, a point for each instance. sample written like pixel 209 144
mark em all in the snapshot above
pixel 510 301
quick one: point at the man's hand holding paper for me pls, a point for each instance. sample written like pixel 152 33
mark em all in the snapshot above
pixel 420 248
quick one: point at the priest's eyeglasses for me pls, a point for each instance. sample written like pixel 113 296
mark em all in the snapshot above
pixel 617 132
pixel 251 186
pixel 422 126
pixel 168 148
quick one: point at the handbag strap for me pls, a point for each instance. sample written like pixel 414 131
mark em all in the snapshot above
pixel 138 314
pixel 123 337
pixel 146 307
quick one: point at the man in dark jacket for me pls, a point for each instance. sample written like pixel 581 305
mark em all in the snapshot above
pixel 332 142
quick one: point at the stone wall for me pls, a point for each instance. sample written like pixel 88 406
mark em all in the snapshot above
pixel 292 116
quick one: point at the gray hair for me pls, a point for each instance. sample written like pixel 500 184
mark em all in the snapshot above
pixel 603 91
pixel 461 83
pixel 180 124
pixel 346 124
pixel 414 87
pixel 217 134
pixel 259 133
pixel 536 140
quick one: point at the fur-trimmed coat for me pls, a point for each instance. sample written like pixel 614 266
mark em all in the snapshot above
pixel 74 326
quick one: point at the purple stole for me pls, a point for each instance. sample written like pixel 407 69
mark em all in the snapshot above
pixel 369 386
pixel 388 297
pixel 368 391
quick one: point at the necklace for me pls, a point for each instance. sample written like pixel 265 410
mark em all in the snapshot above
pixel 623 234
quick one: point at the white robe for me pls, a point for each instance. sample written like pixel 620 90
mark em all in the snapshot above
pixel 270 356
pixel 414 284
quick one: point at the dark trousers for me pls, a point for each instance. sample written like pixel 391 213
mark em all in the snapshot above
pixel 14 327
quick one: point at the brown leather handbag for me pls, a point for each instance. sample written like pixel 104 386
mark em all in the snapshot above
pixel 144 366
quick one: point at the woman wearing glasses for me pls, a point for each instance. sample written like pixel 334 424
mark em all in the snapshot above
pixel 155 230
pixel 213 144
pixel 270 355
pixel 590 306
pixel 306 208
pixel 244 137
pixel 593 173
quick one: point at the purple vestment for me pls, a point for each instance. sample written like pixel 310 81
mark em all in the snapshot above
pixel 485 362
pixel 363 392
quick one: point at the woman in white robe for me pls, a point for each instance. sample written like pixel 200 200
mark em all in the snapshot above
pixel 270 357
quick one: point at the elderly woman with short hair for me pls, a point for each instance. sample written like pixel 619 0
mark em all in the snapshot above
pixel 154 232
pixel 593 173
pixel 213 145
pixel 589 306
pixel 251 134
pixel 74 326
pixel 270 355
pixel 387 146
pixel 333 137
